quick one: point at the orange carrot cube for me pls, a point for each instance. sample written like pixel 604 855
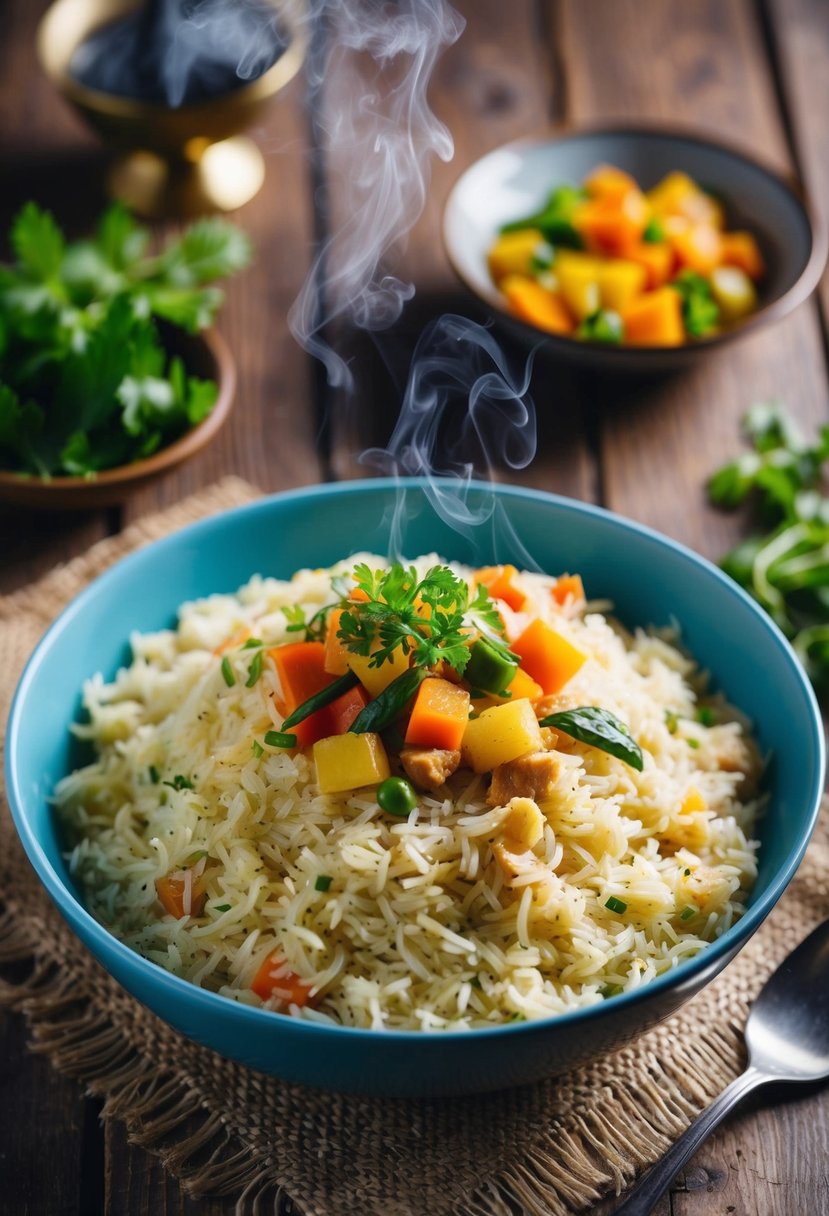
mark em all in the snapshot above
pixel 547 656
pixel 439 715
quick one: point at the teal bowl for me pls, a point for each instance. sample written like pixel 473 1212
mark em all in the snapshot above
pixel 651 580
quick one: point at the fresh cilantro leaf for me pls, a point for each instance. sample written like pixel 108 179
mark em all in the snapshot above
pixel 38 243
pixel 210 249
pixel 119 240
pixel 191 309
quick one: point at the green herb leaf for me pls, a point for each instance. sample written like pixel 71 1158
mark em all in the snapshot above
pixel 153 771
pixel 599 728
pixel 700 311
pixel 602 326
pixel 254 672
pixel 227 672
pixel 323 882
pixel 38 242
pixel 180 783
pixel 222 908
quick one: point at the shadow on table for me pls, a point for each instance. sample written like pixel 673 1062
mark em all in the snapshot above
pixel 69 183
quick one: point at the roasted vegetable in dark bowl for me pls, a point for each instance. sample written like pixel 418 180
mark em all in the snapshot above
pixel 104 377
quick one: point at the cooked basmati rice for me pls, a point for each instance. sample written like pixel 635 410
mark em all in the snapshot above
pixel 419 927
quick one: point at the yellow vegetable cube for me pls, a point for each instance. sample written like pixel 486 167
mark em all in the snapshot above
pixel 734 292
pixel 693 802
pixel 578 277
pixel 375 679
pixel 513 252
pixel 679 195
pixel 523 826
pixel 349 761
pixel 500 734
pixel 620 282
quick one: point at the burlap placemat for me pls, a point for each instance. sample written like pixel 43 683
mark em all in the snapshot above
pixel 552 1148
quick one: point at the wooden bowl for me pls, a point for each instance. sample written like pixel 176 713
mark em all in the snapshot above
pixel 514 180
pixel 206 355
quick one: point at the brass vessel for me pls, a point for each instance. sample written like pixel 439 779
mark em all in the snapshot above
pixel 182 161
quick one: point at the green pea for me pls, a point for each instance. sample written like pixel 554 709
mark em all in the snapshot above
pixel 396 796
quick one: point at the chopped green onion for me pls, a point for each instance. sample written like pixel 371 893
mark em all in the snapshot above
pixel 320 699
pixel 154 774
pixel 252 643
pixel 694 743
pixel 687 913
pixel 616 905
pixel 476 982
pixel 255 670
pixel 604 325
pixel 222 908
pixel 278 738
pixel 197 856
pixel 671 721
pixel 706 716
pixel 227 672
pixel 610 990
pixel 323 882
pixel 258 749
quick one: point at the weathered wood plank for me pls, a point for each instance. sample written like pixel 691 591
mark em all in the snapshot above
pixel 494 85
pixel 136 1181
pixel 702 63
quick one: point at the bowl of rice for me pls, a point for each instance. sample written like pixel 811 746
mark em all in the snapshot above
pixel 440 822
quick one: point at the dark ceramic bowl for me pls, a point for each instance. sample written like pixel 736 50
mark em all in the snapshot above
pixel 514 180
pixel 650 578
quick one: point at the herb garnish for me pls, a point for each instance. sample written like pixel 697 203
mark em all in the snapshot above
pixel 616 905
pixel 599 728
pixel 180 783
pixel 279 738
pixel 429 618
pixel 255 669
pixel 86 381
pixel 323 882
pixel 227 672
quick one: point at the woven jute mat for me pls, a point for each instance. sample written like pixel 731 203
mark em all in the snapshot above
pixel 550 1148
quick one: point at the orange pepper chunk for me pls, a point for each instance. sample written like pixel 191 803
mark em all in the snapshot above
pixel 568 586
pixel 547 656
pixel 606 181
pixel 610 225
pixel 336 655
pixel 439 716
pixel 501 583
pixel 657 259
pixel 741 249
pixel 301 670
pixel 276 981
pixel 536 305
pixel 175 891
pixel 654 319
pixel 697 247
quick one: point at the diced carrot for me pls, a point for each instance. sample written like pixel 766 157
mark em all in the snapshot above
pixel 345 709
pixel 654 319
pixel 610 225
pixel 547 656
pixel 301 670
pixel 606 181
pixel 276 981
pixel 439 716
pixel 336 655
pixel 697 247
pixel 741 249
pixel 568 587
pixel 657 257
pixel 502 584
pixel 181 893
pixel 536 305
pixel 235 639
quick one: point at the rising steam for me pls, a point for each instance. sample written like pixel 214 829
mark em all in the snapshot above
pixel 379 135
pixel 464 409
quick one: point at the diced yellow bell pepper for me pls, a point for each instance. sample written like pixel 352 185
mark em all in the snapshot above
pixel 375 679
pixel 693 802
pixel 620 282
pixel 501 733
pixel 678 194
pixel 513 252
pixel 578 282
pixel 734 292
pixel 347 762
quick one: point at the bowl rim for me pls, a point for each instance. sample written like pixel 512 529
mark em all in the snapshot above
pixel 114 105
pixel 774 309
pixel 209 1002
pixel 42 490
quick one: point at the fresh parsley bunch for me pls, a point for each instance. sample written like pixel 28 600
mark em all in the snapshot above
pixel 85 380
pixel 785 566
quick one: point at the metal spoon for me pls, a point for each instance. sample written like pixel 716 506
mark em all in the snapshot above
pixel 787 1035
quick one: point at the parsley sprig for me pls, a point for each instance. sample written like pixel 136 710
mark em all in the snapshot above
pixel 85 380
pixel 430 619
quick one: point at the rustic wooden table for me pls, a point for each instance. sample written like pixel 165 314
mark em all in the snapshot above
pixel 752 70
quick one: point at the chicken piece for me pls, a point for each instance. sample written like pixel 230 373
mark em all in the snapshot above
pixel 429 767
pixel 531 776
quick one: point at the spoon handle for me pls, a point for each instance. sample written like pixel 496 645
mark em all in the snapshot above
pixel 645 1194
